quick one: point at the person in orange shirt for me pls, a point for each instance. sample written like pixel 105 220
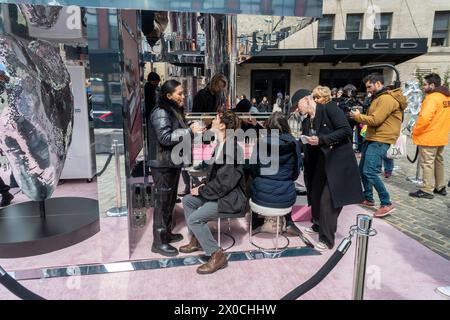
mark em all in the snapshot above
pixel 430 133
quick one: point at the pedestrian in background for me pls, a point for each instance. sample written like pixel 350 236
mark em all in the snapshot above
pixel 430 133
pixel 264 105
pixel 384 118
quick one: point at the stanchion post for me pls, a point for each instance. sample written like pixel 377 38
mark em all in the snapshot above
pixel 364 223
pixel 118 210
pixel 416 179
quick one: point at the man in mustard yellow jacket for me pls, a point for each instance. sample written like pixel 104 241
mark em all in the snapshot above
pixel 430 133
pixel 384 118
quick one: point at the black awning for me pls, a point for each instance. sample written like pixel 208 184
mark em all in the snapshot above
pixel 362 51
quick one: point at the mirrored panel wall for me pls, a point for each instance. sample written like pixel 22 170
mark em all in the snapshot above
pixel 96 141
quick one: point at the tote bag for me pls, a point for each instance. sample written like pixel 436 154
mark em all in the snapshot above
pixel 397 150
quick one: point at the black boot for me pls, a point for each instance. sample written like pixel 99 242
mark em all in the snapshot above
pixel 165 194
pixel 161 244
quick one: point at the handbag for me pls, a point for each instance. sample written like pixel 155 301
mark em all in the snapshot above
pixel 397 150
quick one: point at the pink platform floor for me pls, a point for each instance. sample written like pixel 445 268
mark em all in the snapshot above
pixel 398 267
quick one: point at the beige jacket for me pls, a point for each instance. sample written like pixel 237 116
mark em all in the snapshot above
pixel 384 117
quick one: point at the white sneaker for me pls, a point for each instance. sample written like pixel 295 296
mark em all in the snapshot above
pixel 310 231
pixel 445 291
pixel 320 246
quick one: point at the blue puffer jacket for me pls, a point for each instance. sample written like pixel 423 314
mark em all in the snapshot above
pixel 277 190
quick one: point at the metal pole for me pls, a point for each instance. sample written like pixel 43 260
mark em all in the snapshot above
pixel 364 223
pixel 118 210
pixel 118 175
pixel 416 180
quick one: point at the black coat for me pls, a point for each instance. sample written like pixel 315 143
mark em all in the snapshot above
pixel 264 107
pixel 225 184
pixel 166 128
pixel 341 168
pixel 206 101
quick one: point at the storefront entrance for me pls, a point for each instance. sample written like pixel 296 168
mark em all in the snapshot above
pixel 268 83
pixel 333 78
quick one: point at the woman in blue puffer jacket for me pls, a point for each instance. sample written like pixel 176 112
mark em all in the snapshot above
pixel 275 188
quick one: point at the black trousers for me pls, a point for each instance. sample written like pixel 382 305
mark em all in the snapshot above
pixel 324 214
pixel 165 190
pixel 3 186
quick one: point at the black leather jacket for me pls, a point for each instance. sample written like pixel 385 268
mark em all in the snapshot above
pixel 166 129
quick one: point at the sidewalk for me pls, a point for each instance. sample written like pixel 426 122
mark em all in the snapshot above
pixel 426 221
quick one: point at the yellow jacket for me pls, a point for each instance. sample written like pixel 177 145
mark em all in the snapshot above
pixel 433 124
pixel 384 117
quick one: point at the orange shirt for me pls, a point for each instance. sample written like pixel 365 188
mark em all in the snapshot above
pixel 433 124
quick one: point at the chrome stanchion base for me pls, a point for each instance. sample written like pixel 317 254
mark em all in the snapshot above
pixel 117 212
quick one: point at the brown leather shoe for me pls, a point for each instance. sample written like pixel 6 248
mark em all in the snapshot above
pixel 217 261
pixel 193 246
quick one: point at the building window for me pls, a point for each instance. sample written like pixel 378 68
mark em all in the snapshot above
pixel 113 29
pixel 441 29
pixel 353 26
pixel 325 31
pixel 92 29
pixel 383 27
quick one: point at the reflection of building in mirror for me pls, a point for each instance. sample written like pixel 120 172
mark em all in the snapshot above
pixel 115 92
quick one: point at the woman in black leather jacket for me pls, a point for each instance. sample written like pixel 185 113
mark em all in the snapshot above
pixel 167 128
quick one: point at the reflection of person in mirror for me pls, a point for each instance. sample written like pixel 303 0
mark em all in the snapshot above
pixel 212 97
pixel 151 92
pixel 168 128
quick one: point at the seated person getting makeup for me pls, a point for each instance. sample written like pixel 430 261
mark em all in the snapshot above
pixel 223 192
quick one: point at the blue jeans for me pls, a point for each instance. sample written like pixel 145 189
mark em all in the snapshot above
pixel 372 156
pixel 388 164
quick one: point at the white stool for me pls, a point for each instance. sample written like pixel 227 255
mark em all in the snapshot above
pixel 269 212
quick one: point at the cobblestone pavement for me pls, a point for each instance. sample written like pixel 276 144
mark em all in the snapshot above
pixel 427 221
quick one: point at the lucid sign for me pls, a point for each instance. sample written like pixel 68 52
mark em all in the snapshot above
pixel 386 46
